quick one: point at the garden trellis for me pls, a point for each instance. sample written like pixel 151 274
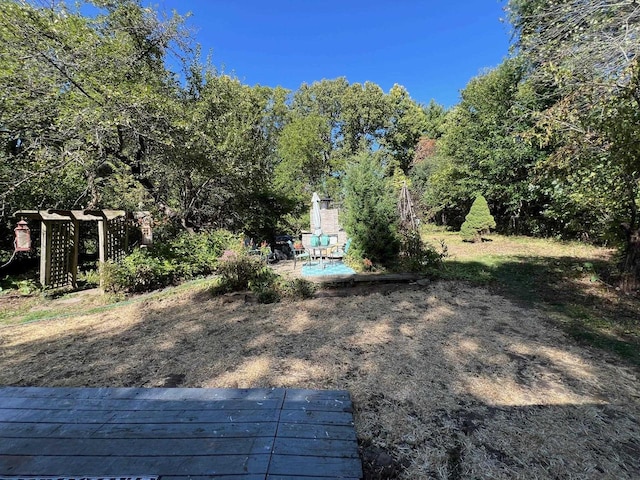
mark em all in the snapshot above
pixel 405 209
pixel 59 240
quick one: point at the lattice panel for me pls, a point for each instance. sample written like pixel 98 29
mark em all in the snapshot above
pixel 61 247
pixel 116 238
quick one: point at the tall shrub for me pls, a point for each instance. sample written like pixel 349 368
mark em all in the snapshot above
pixel 478 221
pixel 370 217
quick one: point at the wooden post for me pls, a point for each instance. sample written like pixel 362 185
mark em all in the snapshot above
pixel 126 235
pixel 102 248
pixel 102 240
pixel 74 253
pixel 45 253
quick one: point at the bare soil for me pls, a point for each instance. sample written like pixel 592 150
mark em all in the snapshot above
pixel 448 380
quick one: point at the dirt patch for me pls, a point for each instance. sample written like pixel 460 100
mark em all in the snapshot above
pixel 448 380
pixel 377 464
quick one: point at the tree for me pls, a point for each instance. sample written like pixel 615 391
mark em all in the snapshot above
pixel 97 120
pixel 364 115
pixel 478 221
pixel 86 101
pixel 406 124
pixel 586 55
pixel 217 172
pixel 324 99
pixel 370 217
pixel 304 157
pixel 483 149
pixel 436 116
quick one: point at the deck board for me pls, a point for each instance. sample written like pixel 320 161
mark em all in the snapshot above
pixel 151 447
pixel 9 415
pixel 207 394
pixel 194 430
pixel 92 404
pixel 177 433
pixel 299 466
pixel 300 430
pixel 140 431
pixel 317 447
pixel 100 466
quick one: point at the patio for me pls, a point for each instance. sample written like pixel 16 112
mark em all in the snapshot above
pixel 326 269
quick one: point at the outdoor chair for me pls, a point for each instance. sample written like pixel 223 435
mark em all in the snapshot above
pixel 313 249
pixel 341 252
pixel 298 253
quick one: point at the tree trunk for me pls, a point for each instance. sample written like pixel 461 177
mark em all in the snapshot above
pixel 630 265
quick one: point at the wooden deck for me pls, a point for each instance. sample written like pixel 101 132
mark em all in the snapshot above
pixel 177 433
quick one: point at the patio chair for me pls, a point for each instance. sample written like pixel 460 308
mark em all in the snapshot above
pixel 313 248
pixel 340 253
pixel 298 253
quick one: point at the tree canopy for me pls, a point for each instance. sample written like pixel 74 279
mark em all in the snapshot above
pixel 584 56
pixel 119 110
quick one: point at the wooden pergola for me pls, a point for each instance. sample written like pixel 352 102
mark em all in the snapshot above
pixel 59 240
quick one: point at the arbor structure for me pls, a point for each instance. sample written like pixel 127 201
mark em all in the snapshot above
pixel 60 240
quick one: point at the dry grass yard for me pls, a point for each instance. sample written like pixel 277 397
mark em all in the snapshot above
pixel 449 380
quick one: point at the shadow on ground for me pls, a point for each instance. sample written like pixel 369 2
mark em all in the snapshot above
pixel 577 292
pixel 448 380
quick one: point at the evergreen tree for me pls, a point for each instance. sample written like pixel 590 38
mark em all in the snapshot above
pixel 478 221
pixel 370 217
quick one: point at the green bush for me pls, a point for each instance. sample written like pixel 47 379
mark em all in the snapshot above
pixel 418 256
pixel 138 272
pixel 478 221
pixel 25 286
pixel 297 288
pixel 267 294
pixel 89 277
pixel 195 254
pixel 264 284
pixel 239 271
pixel 164 263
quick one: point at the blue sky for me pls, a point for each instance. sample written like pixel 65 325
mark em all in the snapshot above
pixel 432 47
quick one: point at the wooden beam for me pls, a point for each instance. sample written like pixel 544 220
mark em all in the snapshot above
pixel 44 214
pixel 84 216
pixel 61 214
pixel 107 214
pixel 30 214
